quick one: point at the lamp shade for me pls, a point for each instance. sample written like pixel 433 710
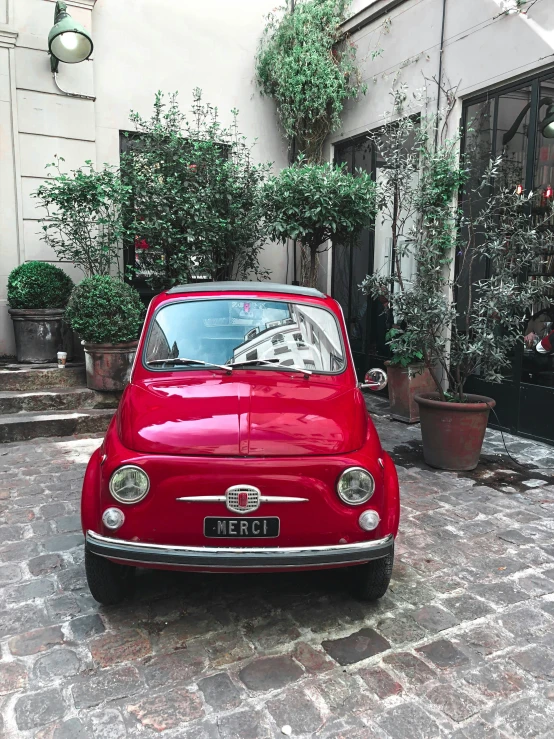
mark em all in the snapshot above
pixel 547 125
pixel 68 41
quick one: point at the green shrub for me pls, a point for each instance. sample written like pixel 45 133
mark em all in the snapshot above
pixel 104 310
pixel 38 285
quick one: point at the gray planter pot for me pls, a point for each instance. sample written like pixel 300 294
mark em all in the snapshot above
pixel 40 333
pixel 109 365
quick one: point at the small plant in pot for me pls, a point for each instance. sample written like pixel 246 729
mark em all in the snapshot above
pixel 107 314
pixel 462 324
pixel 37 296
pixel 407 377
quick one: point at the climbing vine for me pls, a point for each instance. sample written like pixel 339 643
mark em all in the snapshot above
pixel 308 65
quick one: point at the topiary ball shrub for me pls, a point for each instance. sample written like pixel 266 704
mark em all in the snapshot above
pixel 38 285
pixel 104 310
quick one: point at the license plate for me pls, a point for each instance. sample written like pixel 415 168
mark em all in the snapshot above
pixel 237 528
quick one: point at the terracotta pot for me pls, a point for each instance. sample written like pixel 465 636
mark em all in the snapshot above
pixel 40 333
pixel 453 433
pixel 109 365
pixel 404 384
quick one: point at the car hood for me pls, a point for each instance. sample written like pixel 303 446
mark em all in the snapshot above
pixel 226 417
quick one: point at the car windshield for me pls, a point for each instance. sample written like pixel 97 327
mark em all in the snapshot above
pixel 232 331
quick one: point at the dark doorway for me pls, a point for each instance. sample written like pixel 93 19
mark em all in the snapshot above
pixel 365 318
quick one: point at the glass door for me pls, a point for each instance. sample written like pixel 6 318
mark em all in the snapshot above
pixel 515 122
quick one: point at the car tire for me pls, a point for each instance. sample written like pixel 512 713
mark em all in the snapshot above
pixel 371 580
pixel 108 582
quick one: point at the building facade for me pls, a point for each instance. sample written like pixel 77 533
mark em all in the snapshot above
pixel 499 63
pixel 498 60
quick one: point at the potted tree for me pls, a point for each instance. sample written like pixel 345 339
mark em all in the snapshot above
pixel 463 325
pixel 37 295
pixel 315 203
pixel 107 314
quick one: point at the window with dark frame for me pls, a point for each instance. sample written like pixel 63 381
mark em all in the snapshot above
pixel 514 122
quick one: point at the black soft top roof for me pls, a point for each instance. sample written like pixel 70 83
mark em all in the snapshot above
pixel 264 287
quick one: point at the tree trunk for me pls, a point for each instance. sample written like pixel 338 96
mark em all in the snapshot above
pixel 313 265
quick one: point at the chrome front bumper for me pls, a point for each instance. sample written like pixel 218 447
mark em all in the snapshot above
pixel 240 558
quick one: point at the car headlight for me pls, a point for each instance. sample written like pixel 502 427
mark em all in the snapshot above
pixel 355 486
pixel 129 484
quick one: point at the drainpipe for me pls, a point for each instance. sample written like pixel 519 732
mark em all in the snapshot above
pixel 443 379
pixel 293 146
pixel 441 52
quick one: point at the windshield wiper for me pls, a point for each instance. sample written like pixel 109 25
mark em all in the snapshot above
pixel 185 360
pixel 272 363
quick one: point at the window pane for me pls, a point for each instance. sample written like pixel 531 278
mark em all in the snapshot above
pixel 479 149
pixel 512 138
pixel 538 369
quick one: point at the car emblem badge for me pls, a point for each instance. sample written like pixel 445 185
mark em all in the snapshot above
pixel 242 498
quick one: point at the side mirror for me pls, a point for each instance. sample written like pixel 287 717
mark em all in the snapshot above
pixel 375 379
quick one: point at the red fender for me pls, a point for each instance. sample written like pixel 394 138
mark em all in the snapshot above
pixel 90 497
pixel 392 493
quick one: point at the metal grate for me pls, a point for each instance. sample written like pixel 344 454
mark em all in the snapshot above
pixel 242 498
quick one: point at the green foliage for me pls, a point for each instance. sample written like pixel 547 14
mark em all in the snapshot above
pixel 38 285
pixel 399 356
pixel 196 195
pixel 85 223
pixel 105 310
pixel 307 65
pixel 317 202
pixel 460 324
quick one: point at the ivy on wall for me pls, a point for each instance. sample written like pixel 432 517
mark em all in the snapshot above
pixel 308 66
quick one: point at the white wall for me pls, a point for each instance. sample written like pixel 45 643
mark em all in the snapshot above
pixel 140 46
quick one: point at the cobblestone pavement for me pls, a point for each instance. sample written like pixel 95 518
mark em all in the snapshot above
pixel 462 645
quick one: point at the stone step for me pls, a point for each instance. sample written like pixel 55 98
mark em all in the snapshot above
pixel 40 376
pixel 25 426
pixel 54 399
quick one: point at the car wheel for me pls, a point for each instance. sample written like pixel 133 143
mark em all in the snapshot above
pixel 371 581
pixel 108 582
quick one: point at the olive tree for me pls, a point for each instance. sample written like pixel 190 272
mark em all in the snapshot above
pixel 462 323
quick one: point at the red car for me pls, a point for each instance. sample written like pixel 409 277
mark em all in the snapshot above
pixel 241 444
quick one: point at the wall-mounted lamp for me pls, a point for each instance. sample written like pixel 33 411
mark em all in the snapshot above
pixel 547 124
pixel 68 42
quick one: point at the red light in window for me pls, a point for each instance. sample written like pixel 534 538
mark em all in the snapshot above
pixel 519 190
pixel 548 192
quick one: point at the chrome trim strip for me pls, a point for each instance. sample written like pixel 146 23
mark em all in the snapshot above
pixel 237 557
pixel 222 499
pixel 209 568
